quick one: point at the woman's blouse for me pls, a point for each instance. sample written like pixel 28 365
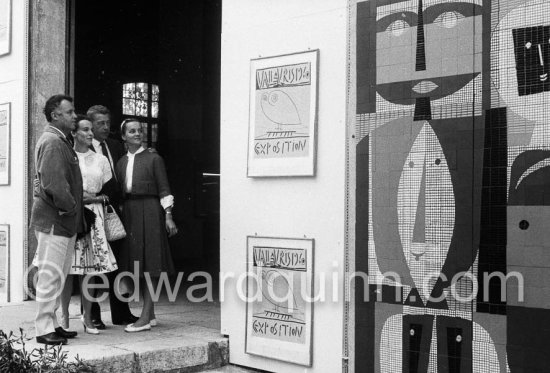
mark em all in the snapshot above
pixel 95 170
pixel 130 169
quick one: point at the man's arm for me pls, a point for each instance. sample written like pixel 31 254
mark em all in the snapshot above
pixel 52 170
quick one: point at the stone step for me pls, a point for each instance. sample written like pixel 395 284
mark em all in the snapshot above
pixel 189 352
pixel 233 369
pixel 187 338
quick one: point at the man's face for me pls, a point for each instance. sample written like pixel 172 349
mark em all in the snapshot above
pixel 64 117
pixel 101 126
pixel 430 56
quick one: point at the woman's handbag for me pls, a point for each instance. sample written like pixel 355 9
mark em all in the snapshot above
pixel 114 230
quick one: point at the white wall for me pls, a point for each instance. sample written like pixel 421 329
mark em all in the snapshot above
pixel 13 83
pixel 313 207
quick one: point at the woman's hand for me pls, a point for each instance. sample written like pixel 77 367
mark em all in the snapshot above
pixel 170 225
pixel 102 198
pixel 88 198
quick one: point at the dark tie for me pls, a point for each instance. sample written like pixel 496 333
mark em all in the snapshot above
pixel 104 150
pixel 106 154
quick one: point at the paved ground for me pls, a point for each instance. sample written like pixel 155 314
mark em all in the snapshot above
pixel 181 311
pixel 187 338
pixel 231 369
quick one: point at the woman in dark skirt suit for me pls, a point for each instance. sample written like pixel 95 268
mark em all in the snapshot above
pixel 147 217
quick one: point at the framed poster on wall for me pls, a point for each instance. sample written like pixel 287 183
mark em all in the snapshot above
pixel 5 26
pixel 279 312
pixel 283 115
pixel 5 120
pixel 4 262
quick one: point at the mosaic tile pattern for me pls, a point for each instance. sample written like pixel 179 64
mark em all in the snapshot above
pixel 453 181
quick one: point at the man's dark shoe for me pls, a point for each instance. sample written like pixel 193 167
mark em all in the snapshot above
pixel 65 333
pixel 98 324
pixel 51 339
pixel 130 319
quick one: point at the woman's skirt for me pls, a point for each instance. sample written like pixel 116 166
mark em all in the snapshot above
pixel 93 254
pixel 145 248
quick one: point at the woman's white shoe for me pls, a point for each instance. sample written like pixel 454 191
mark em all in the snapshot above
pixel 87 329
pixel 133 329
pixel 153 322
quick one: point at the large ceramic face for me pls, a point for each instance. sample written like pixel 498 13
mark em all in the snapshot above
pixel 523 59
pixel 426 209
pixel 429 53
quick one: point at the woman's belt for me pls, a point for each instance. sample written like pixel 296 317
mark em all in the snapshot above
pixel 140 196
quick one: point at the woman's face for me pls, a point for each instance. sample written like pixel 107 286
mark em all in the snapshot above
pixel 83 134
pixel 133 133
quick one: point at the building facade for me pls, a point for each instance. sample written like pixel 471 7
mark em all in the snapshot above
pixel 384 177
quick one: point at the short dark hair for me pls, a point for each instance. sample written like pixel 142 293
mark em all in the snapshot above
pixel 125 122
pixel 98 109
pixel 80 118
pixel 53 103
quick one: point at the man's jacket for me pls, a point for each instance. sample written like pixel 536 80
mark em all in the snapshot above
pixel 58 186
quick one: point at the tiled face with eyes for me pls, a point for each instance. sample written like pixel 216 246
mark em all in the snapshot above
pixel 426 209
pixel 532 50
pixel 523 59
pixel 426 48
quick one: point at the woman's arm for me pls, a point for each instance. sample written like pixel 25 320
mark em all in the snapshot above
pixel 101 198
pixel 161 178
pixel 170 225
pixel 166 198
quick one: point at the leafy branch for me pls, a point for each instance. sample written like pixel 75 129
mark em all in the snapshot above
pixel 16 358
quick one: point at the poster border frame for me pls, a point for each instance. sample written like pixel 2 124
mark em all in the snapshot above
pixel 312 162
pixel 6 181
pixel 5 298
pixel 311 288
pixel 6 49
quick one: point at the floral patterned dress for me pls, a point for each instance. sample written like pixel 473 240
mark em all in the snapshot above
pixel 92 253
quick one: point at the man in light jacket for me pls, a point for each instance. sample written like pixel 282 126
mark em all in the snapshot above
pixel 57 215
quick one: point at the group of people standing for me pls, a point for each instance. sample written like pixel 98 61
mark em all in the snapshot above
pixel 79 167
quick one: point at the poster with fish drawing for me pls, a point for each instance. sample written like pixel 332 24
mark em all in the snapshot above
pixel 4 144
pixel 279 298
pixel 283 113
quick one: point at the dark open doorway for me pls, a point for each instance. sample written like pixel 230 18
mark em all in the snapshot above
pixel 175 45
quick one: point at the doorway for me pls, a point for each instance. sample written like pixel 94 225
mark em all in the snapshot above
pixel 175 47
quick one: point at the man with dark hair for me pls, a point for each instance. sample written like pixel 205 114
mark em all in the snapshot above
pixel 113 150
pixel 57 215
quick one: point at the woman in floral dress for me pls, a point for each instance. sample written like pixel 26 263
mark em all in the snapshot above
pixel 92 254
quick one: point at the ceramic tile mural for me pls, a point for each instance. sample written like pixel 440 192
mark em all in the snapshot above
pixel 452 185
